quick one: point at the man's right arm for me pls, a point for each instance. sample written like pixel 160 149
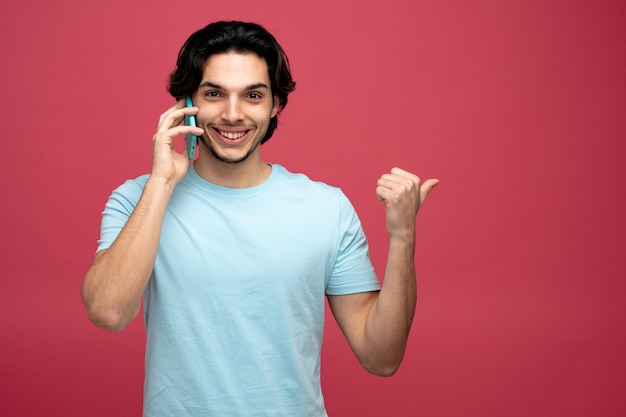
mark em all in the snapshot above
pixel 115 282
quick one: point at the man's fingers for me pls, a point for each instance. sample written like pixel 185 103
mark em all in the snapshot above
pixel 427 187
pixel 179 130
pixel 399 177
pixel 174 116
pixel 398 182
pixel 179 105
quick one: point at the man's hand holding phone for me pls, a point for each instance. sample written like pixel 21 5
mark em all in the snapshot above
pixel 167 164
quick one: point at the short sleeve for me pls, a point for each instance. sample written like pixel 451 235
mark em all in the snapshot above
pixel 118 209
pixel 353 271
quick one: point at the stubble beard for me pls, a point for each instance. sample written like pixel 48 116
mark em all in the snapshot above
pixel 227 160
pixel 232 161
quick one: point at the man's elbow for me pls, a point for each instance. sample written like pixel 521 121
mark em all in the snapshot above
pixel 107 317
pixel 109 321
pixel 385 368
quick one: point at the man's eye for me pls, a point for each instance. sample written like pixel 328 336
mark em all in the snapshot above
pixel 255 96
pixel 212 94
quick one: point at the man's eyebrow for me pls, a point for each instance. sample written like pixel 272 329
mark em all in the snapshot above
pixel 211 85
pixel 256 86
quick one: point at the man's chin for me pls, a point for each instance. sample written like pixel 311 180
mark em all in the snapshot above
pixel 227 159
pixel 230 160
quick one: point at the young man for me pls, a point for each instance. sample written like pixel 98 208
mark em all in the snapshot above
pixel 233 256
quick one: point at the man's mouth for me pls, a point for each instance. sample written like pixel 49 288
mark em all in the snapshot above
pixel 232 135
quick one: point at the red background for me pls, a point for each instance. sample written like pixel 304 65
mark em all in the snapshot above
pixel 517 106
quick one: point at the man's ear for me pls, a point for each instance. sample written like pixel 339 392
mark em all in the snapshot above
pixel 275 106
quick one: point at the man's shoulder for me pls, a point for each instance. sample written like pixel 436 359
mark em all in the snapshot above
pixel 303 181
pixel 132 188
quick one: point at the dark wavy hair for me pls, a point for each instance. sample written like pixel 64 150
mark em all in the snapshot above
pixel 232 36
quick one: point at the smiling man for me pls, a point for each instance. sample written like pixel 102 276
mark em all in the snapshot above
pixel 237 110
pixel 233 256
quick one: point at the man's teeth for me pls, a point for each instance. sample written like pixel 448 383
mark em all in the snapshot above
pixel 232 135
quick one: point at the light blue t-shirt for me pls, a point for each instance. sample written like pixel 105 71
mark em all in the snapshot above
pixel 234 309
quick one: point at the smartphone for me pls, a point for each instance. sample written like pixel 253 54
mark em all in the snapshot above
pixel 192 140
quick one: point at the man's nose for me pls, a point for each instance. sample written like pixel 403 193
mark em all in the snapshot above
pixel 232 110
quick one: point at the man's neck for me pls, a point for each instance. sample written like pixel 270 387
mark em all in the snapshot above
pixel 246 174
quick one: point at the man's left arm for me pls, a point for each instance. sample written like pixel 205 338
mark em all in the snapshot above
pixel 377 324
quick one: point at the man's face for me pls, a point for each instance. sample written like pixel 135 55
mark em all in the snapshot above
pixel 235 105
